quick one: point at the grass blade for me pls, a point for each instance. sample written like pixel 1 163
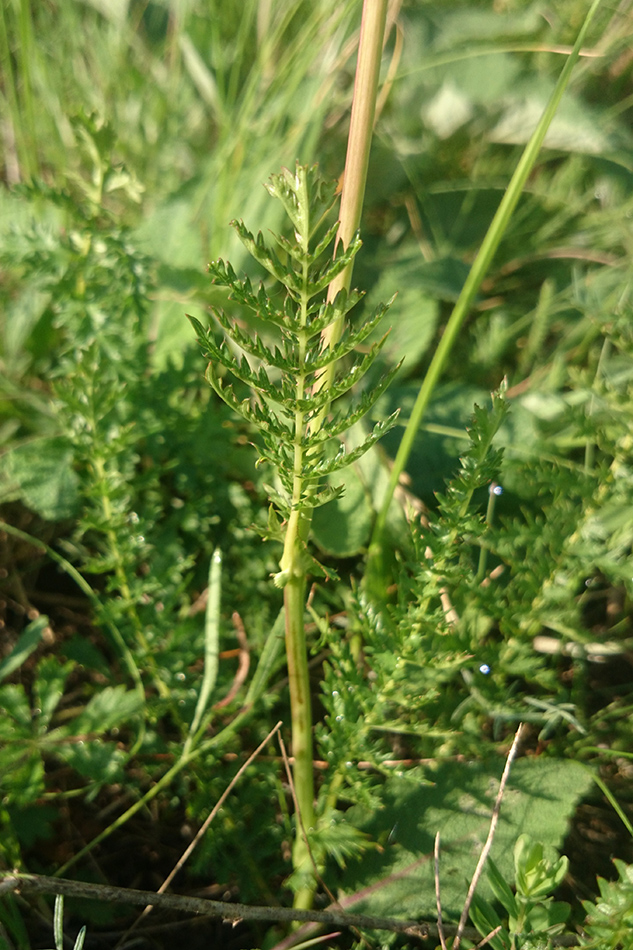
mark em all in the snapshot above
pixel 473 282
pixel 211 645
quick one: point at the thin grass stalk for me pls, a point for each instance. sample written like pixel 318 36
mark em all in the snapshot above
pixel 361 128
pixel 258 686
pixel 479 269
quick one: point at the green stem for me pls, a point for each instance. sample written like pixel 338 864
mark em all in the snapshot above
pixel 293 564
pixel 493 490
pixel 473 282
pixel 301 714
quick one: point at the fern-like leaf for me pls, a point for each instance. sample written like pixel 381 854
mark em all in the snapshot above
pixel 297 434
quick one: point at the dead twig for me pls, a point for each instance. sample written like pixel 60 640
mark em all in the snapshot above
pixel 438 899
pixel 243 663
pixel 184 857
pixel 488 937
pixel 36 884
pixel 491 833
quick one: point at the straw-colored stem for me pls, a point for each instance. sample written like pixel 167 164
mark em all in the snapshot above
pixel 372 33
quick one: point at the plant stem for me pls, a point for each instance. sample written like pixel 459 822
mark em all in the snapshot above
pixel 301 712
pixel 293 562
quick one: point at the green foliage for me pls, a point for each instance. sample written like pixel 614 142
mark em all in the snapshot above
pixel 395 878
pixel 296 435
pixel 609 923
pixel 37 733
pixel 532 916
pixel 114 454
pixel 58 927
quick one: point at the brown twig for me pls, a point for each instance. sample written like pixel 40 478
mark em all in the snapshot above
pixel 243 665
pixel 184 857
pixel 36 884
pixel 486 940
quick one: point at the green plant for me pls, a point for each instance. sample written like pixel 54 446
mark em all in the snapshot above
pixel 297 438
pixel 609 922
pixel 476 274
pixel 58 925
pixel 532 916
pixel 138 461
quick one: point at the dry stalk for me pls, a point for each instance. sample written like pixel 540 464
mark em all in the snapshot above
pixel 37 884
pixel 491 833
pixel 438 899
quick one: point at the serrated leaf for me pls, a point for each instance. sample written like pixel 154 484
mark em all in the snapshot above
pixel 320 278
pixel 342 423
pixel 258 249
pixel 98 761
pixel 343 458
pixel 325 241
pixel 241 370
pixel 242 292
pixel 48 689
pixel 17 711
pixel 258 414
pixel 339 840
pixel 320 498
pixel 314 567
pixel 322 315
pixel 253 345
pixel 350 340
pixel 107 709
pixel 305 195
pixel 342 384
pixel 41 473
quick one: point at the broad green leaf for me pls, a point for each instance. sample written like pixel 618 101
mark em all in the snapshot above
pixel 341 527
pixel 539 800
